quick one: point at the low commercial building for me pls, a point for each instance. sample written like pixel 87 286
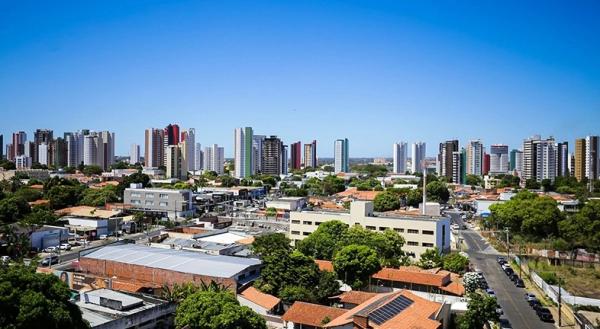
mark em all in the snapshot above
pixel 164 202
pixel 259 302
pixel 155 267
pixel 287 203
pixel 420 232
pixel 109 309
pixel 48 236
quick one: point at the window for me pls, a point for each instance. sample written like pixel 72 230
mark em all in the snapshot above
pixel 163 204
pixel 296 232
pixel 428 232
pixel 383 228
pixel 413 231
pixel 426 244
pixel 295 222
pixel 136 195
pixel 306 222
pixel 163 196
pixel 149 195
pixel 317 223
pixel 136 202
pixel 372 228
pixel 149 203
pixel 412 243
pixel 400 230
pixel 253 272
pixel 306 233
pixel 242 276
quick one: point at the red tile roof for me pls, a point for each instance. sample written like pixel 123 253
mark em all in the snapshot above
pixel 356 297
pixel 324 265
pixel 260 298
pixel 413 275
pixel 311 314
pixel 359 195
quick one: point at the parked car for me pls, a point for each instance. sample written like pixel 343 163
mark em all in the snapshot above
pixel 49 260
pixel 535 304
pixel 50 249
pixel 455 227
pixel 505 266
pixel 544 314
pixel 65 246
pixel 4 260
pixel 103 237
pixel 499 311
pixel 509 271
pixel 513 277
pixel 504 324
pixel 490 292
pixel 529 296
pixel 519 283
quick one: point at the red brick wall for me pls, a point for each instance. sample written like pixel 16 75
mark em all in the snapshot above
pixel 137 273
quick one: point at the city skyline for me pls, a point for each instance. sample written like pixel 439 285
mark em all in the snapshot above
pixel 438 71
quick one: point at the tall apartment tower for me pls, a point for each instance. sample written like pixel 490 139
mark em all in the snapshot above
pixel 284 159
pixel 108 149
pixel 296 155
pixel 1 146
pixel 400 153
pixel 59 152
pixel 529 157
pixel 516 162
pixel 591 157
pixel 214 159
pixel 341 156
pixel 562 159
pixel 92 150
pixel 499 159
pixel 243 152
pixel 74 148
pixel 154 150
pixel 174 162
pixel 579 159
pixel 134 154
pixel 272 156
pixel 189 137
pixel 456 167
pixel 539 158
pixel 41 136
pixel 417 157
pixel 17 146
pixel 310 155
pixel 257 146
pixel 199 157
pixel 475 158
pixel 445 158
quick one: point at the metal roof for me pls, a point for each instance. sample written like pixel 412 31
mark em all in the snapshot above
pixel 175 260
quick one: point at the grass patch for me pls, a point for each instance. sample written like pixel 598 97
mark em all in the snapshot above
pixel 579 281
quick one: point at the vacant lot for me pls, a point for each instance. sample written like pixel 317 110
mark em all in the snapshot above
pixel 579 281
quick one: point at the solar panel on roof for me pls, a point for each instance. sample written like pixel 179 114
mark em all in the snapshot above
pixel 390 310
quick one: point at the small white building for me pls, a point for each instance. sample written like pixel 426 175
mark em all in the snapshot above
pixel 287 203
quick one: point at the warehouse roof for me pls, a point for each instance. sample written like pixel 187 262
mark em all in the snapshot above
pixel 175 260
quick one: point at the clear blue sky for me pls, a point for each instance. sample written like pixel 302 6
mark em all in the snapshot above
pixel 375 72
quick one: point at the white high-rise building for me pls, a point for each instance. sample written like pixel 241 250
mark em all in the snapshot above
pixel 74 149
pixel 23 162
pixel 92 150
pixel 546 160
pixel 257 150
pixel 475 158
pixel 198 157
pixel 134 154
pixel 214 159
pixel 400 153
pixel 341 156
pixel 190 148
pixel 417 157
pixel 43 154
pixel 519 163
pixel 499 159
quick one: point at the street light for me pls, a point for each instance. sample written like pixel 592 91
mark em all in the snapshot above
pixel 507 244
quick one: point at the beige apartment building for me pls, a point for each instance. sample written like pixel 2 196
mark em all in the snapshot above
pixel 420 232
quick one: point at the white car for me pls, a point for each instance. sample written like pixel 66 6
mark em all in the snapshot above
pixel 50 249
pixel 103 237
pixel 5 260
pixel 455 227
pixel 65 246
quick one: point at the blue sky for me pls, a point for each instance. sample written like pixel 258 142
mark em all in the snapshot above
pixel 373 71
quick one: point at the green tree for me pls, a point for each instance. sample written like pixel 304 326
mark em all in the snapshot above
pixel 13 209
pixel 438 191
pixel 324 242
pixel 15 244
pixel 431 258
pixel 31 300
pixel 136 178
pixel 96 197
pixel 7 165
pixel 216 310
pixel 474 180
pixel 28 194
pixel 271 212
pixel 354 264
pixel 62 196
pixel 455 262
pixel 532 184
pixel 583 228
pixel 92 170
pixel 386 201
pixel 227 181
pixel 265 245
pixel 371 170
pixel 39 216
pixel 480 310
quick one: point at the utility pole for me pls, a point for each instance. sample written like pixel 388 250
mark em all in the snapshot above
pixel 559 302
pixel 507 246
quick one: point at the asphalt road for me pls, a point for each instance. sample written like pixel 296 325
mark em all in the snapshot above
pixel 511 299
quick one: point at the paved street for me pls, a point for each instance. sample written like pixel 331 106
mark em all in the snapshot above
pixel 511 299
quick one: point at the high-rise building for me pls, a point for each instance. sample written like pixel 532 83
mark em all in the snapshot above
pixel 310 155
pixel 154 151
pixel 171 134
pixel 539 158
pixel 134 154
pixel 562 159
pixel 189 137
pixel 93 150
pixel 41 136
pixel 23 162
pixel 296 159
pixel 529 157
pixel 284 160
pixel 199 157
pixel 43 151
pixel 486 163
pixel 257 146
pixel 579 159
pixel 29 149
pixel 475 158
pixel 445 158
pixel 214 159
pixel 456 167
pixel 108 149
pixel 400 152
pixel 572 164
pixel 417 157
pixel 341 156
pixel 499 159
pixel 516 162
pixel 463 166
pixel 17 146
pixel 74 149
pixel 59 153
pixel 272 156
pixel 243 152
pixel 1 146
pixel 174 162
pixel 591 157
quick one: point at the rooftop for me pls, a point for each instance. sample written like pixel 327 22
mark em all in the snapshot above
pixel 174 260
pixel 260 298
pixel 86 211
pixel 311 314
